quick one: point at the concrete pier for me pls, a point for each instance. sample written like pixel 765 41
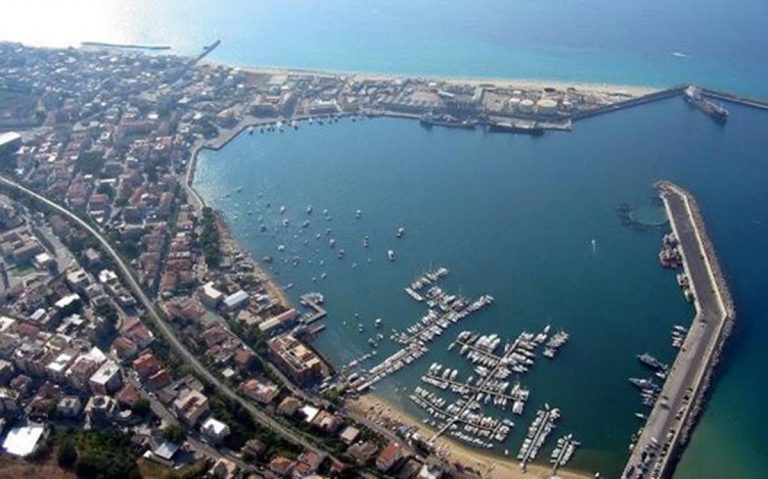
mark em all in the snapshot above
pixel 669 424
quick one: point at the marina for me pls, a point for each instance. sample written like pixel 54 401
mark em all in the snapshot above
pixel 397 317
pixel 444 311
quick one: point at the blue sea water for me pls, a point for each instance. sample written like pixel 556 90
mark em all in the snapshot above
pixel 514 217
pixel 510 216
pixel 622 41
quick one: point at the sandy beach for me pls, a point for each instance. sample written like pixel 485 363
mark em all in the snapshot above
pixel 510 83
pixel 488 465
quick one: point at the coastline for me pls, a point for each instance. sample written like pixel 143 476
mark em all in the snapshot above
pixel 490 466
pixel 523 83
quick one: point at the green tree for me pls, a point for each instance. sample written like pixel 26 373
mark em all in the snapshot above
pixel 141 407
pixel 174 433
pixel 67 456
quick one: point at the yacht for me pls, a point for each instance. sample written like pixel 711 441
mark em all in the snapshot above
pixel 391 255
pixel 400 232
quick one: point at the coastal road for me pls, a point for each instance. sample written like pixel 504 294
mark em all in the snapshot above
pixel 184 354
pixel 654 453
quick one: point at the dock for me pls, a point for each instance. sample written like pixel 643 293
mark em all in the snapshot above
pixel 673 416
pixel 313 301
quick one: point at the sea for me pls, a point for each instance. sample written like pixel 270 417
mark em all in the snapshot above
pixel 531 221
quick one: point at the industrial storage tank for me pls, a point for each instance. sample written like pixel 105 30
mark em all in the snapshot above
pixel 513 103
pixel 526 106
pixel 546 106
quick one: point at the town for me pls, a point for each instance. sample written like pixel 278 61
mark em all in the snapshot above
pixel 133 325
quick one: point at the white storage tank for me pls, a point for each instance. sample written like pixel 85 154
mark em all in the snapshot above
pixel 546 106
pixel 526 106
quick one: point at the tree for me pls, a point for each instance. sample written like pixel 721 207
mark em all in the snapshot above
pixel 67 456
pixel 141 407
pixel 174 433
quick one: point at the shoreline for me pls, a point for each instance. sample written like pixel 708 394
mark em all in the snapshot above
pixel 490 466
pixel 506 82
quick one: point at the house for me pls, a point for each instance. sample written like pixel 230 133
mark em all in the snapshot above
pixel 236 300
pixel 281 466
pixel 389 456
pixel 127 396
pixel 215 431
pixel 190 406
pixel 288 406
pixel 263 392
pixel 210 296
pixel 225 469
pixel 124 348
pixel 107 379
pixel 69 407
pixel 362 452
pixel 146 365
pixel 349 434
pixel 308 463
pixel 101 408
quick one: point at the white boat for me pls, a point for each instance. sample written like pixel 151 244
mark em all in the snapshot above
pixel 377 323
pixel 282 209
pixel 400 232
pixel 309 209
pixel 391 255
pixel 358 214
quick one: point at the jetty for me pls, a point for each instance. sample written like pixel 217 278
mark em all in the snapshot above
pixel 668 427
pixel 313 301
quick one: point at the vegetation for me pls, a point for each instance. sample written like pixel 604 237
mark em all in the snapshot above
pixel 107 329
pixel 97 453
pixel 67 455
pixel 174 433
pixel 141 407
pixel 209 238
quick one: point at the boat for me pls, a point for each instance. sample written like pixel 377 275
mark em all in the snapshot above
pixel 651 362
pixel 400 232
pixel 377 322
pixel 391 255
pixel 309 209
pixel 693 95
pixel 282 209
pixel 358 214
pixel 504 127
pixel 429 120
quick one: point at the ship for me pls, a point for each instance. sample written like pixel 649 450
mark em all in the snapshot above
pixel 651 362
pixel 429 120
pixel 694 97
pixel 504 127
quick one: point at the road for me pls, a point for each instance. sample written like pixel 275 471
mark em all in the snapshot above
pixel 184 354
pixel 654 453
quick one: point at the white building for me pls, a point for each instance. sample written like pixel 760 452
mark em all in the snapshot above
pixel 215 431
pixel 107 379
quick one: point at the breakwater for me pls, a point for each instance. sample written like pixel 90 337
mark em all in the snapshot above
pixel 128 46
pixel 636 101
pixel 673 417
pixel 734 98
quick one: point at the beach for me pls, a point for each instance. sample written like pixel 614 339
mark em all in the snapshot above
pixel 489 466
pixel 508 83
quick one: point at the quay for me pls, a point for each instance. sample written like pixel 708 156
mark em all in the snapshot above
pixel 313 301
pixel 669 424
pixel 632 102
pixel 733 98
